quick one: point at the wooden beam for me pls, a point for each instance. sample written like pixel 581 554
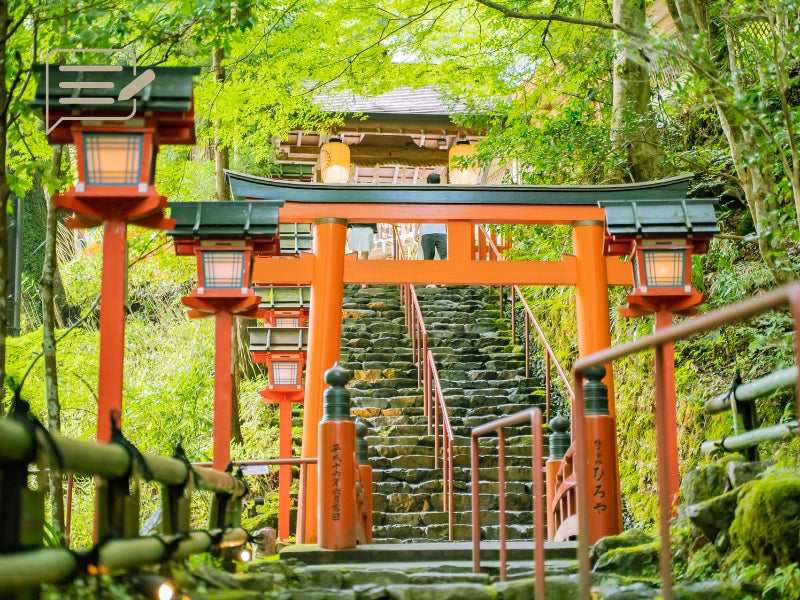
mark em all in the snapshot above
pixel 298 270
pixel 361 212
pixel 373 155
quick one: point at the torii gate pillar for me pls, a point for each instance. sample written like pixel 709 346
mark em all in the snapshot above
pixel 324 338
pixel 594 334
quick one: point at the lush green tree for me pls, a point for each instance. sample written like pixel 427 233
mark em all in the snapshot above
pixel 744 57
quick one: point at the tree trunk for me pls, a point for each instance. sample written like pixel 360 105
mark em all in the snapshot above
pixel 4 192
pixel 46 289
pixel 756 177
pixel 221 154
pixel 239 328
pixel 633 132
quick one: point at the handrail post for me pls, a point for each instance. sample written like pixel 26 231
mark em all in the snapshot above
pixel 558 442
pixel 501 500
pixel 513 316
pixel 547 383
pixel 175 505
pixel 450 489
pixel 538 502
pixel 475 476
pixel 426 377
pixel 21 508
pixel 602 475
pixel 528 347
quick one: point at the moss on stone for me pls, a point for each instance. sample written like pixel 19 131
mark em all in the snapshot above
pixel 767 522
pixel 704 563
pixel 641 560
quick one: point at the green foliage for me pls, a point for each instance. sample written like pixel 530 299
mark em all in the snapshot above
pixel 784 584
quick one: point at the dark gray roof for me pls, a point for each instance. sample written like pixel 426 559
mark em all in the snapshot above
pixel 224 219
pixel 169 91
pixel 249 186
pixel 400 101
pixel 660 218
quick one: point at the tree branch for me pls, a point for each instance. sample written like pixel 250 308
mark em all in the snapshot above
pixel 515 14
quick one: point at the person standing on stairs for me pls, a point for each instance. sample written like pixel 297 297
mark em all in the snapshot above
pixel 433 236
pixel 360 239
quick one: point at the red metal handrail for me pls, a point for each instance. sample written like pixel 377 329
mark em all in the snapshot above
pixel 534 417
pixel 563 506
pixel 787 295
pixel 433 403
pixel 434 392
pixel 530 319
pixel 433 400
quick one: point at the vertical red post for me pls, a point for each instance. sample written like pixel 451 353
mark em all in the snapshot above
pixel 666 408
pixel 337 466
pixel 460 240
pixel 285 471
pixel 223 382
pixel 324 338
pixel 594 334
pixel 112 326
pixel 591 295
pixel 601 477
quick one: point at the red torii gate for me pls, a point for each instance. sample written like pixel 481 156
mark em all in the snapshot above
pixel 326 269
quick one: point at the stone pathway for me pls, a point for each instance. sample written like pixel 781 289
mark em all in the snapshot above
pixel 482 375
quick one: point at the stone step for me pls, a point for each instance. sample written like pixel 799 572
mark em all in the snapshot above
pixel 482 373
pixel 431 517
pixel 399 502
pixel 432 484
pixel 369 413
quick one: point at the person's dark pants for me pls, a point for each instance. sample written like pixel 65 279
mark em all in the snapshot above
pixel 432 242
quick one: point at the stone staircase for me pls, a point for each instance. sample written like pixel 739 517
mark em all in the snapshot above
pixel 482 377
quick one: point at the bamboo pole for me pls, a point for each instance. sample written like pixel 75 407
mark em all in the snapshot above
pixel 751 438
pixel 22 570
pixel 111 460
pixel 753 390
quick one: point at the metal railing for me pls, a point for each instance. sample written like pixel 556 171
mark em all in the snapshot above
pixel 433 395
pixel 434 406
pixel 739 400
pixel 561 507
pixel 492 252
pixel 534 417
pixel 25 564
pixel 433 400
pixel 787 295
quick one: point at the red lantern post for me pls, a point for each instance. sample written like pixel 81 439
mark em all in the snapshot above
pixel 116 144
pixel 224 237
pixel 660 238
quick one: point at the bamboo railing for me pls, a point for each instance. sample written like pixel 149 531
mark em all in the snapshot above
pixel 116 466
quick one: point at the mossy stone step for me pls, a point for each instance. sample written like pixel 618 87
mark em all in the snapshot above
pixel 481 371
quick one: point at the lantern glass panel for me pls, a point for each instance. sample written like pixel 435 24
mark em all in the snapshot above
pixel 113 158
pixel 287 321
pixel 664 268
pixel 223 269
pixel 284 373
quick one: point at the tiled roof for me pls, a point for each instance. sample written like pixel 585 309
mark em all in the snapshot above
pixel 403 100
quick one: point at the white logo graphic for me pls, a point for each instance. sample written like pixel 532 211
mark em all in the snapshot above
pixel 86 77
